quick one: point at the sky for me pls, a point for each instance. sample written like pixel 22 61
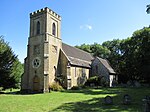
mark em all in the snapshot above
pixel 83 21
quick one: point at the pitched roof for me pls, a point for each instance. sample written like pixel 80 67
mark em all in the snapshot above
pixel 76 56
pixel 107 65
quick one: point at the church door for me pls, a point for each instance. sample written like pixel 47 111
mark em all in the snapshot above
pixel 36 84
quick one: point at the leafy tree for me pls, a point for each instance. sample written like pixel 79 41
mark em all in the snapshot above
pixel 8 61
pixel 148 9
pixel 17 71
pixel 129 57
pixel 85 47
pixel 136 55
pixel 95 49
pixel 115 53
pixel 142 38
pixel 100 51
pixel 127 60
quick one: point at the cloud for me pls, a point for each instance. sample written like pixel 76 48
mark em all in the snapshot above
pixel 86 27
pixel 89 27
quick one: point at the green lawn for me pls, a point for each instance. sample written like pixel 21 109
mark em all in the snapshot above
pixel 87 100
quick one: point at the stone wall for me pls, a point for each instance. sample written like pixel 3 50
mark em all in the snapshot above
pixel 98 69
pixel 79 75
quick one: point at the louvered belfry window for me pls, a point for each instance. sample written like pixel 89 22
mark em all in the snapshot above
pixel 38 28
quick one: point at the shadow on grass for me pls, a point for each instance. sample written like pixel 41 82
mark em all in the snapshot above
pixel 18 92
pixel 95 105
pixel 97 91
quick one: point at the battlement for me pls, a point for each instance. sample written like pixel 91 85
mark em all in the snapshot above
pixel 45 10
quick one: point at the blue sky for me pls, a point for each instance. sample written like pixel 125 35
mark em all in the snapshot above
pixel 83 21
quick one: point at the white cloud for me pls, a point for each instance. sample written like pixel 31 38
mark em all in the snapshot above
pixel 89 27
pixel 86 27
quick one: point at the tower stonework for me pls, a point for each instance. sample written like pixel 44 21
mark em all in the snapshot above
pixel 44 44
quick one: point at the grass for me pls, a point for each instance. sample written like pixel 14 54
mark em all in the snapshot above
pixel 87 100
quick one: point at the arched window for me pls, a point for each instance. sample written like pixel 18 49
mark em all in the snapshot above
pixel 38 28
pixel 54 29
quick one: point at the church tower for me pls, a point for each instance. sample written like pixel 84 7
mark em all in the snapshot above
pixel 44 44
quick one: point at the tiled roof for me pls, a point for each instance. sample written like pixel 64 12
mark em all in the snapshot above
pixel 107 65
pixel 76 56
pixel 78 62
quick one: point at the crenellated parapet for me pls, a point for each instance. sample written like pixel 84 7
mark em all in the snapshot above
pixel 45 10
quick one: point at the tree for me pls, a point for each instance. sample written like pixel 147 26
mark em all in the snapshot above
pixel 136 55
pixel 129 57
pixel 148 9
pixel 85 47
pixel 95 49
pixel 142 38
pixel 128 60
pixel 100 51
pixel 115 53
pixel 8 61
pixel 17 71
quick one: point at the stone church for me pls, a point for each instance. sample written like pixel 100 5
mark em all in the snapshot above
pixel 49 59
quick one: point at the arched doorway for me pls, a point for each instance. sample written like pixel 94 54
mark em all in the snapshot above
pixel 36 83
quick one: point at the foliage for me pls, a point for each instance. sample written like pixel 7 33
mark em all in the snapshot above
pixel 17 71
pixel 136 54
pixel 85 47
pixel 104 82
pixel 115 53
pixel 95 49
pixel 148 9
pixel 93 81
pixel 55 86
pixel 129 57
pixel 99 50
pixel 7 58
pixel 97 81
pixel 1 88
pixel 8 62
pixel 75 88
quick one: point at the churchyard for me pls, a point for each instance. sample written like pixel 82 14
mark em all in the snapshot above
pixel 83 100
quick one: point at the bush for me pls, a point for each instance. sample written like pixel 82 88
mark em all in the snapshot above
pixel 75 88
pixel 93 81
pixel 97 81
pixel 56 87
pixel 1 88
pixel 104 82
pixel 83 87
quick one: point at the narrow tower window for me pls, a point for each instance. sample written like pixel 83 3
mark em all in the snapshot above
pixel 38 28
pixel 54 29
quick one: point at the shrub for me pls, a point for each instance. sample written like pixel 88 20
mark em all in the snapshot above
pixel 75 88
pixel 1 88
pixel 56 87
pixel 95 81
pixel 83 87
pixel 104 82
